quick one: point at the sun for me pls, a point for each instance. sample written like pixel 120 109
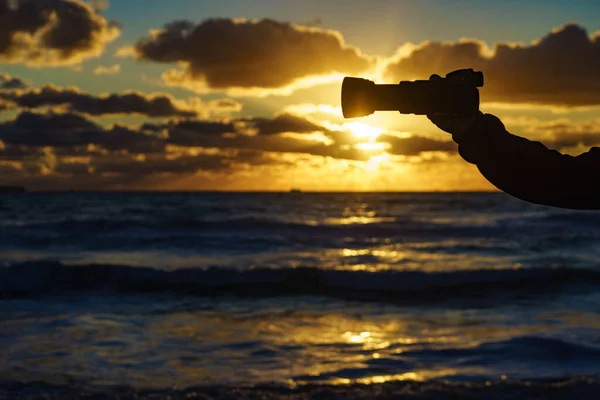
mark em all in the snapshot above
pixel 375 163
pixel 363 131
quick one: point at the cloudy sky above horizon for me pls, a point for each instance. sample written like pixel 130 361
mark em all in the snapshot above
pixel 238 95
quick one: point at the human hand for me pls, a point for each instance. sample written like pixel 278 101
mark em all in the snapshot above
pixel 457 125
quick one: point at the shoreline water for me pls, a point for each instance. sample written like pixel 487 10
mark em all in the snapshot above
pixel 580 388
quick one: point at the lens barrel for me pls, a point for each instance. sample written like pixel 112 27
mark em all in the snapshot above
pixel 361 97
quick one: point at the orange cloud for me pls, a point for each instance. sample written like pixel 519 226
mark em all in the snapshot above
pixel 416 145
pixel 562 134
pixel 246 56
pixel 43 33
pixel 103 70
pixel 6 105
pixel 562 68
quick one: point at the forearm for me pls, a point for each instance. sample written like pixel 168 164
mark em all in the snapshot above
pixel 530 171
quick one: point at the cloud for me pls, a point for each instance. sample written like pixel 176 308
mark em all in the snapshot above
pixel 560 134
pixel 224 105
pixel 285 133
pixel 415 145
pixel 63 147
pixel 160 164
pixel 6 105
pixel 225 54
pixel 281 134
pixel 151 105
pixel 99 5
pixel 10 82
pixel 103 70
pixel 42 33
pixel 562 68
pixel 284 123
pixel 72 131
pixel 66 145
pixel 69 133
pixel 65 150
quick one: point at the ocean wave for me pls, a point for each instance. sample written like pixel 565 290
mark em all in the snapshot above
pixel 223 235
pixel 52 278
pixel 400 227
pixel 523 349
pixel 516 357
pixel 227 222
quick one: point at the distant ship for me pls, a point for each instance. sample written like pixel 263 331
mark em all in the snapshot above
pixel 295 191
pixel 12 189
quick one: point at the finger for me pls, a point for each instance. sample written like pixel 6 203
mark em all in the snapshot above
pixel 435 77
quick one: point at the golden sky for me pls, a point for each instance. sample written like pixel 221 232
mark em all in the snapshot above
pixel 246 97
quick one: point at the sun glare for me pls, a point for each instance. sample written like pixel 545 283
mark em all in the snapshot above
pixel 363 131
pixel 372 146
pixel 375 162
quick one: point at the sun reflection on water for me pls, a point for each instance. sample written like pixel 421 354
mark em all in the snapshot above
pixel 358 220
pixel 362 337
pixel 265 342
pixel 417 376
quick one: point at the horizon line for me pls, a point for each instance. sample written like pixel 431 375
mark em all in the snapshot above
pixel 260 191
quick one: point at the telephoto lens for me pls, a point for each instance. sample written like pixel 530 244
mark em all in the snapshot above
pixel 457 94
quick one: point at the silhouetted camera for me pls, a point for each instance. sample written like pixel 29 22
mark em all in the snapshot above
pixel 455 94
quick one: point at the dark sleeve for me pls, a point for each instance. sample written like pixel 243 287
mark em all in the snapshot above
pixel 529 170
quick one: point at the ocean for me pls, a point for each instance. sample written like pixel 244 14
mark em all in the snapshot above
pixel 269 295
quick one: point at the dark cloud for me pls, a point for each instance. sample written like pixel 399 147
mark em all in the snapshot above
pixel 133 141
pixel 16 153
pixel 71 131
pixel 42 123
pixel 52 32
pixel 225 53
pixel 160 164
pixel 575 139
pixel 70 145
pixel 564 134
pixel 211 128
pixel 11 169
pixel 10 82
pixel 74 134
pixel 154 105
pixel 562 68
pixel 284 123
pixel 282 144
pixel 192 132
pixel 415 145
pixel 228 136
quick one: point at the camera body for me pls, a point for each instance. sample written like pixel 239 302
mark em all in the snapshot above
pixel 456 94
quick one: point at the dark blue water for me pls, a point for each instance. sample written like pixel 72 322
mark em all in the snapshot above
pixel 163 290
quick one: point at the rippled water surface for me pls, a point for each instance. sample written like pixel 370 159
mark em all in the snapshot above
pixel 155 290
